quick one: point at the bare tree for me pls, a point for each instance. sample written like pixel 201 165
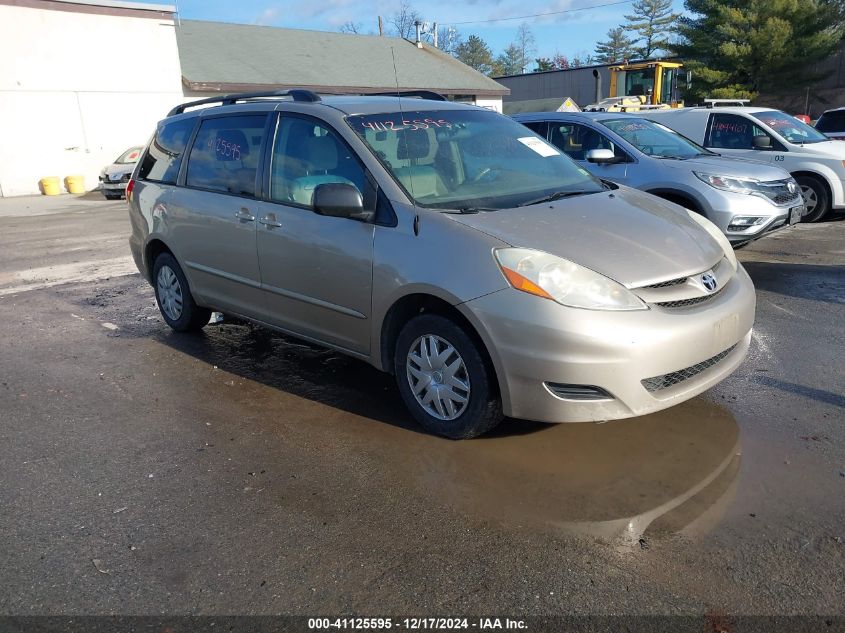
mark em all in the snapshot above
pixel 404 19
pixel 448 39
pixel 525 45
pixel 351 27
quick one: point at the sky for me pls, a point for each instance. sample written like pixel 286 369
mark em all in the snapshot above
pixel 573 33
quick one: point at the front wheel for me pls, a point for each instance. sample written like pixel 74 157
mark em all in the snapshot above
pixel 174 298
pixel 444 379
pixel 816 198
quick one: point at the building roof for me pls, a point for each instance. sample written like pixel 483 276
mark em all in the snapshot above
pixel 217 56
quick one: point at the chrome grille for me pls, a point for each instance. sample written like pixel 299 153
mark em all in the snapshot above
pixel 684 303
pixel 778 192
pixel 658 383
pixel 671 282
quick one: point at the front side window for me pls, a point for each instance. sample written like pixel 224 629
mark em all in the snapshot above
pixel 576 140
pixel 226 154
pixel 460 159
pixel 307 154
pixel 789 127
pixel 164 155
pixel 654 139
pixel 732 131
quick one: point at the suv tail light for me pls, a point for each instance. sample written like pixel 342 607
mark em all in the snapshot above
pixel 129 188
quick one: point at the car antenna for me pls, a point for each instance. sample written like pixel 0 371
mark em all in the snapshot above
pixel 405 139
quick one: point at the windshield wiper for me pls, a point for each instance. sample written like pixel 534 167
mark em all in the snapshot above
pixel 557 195
pixel 470 210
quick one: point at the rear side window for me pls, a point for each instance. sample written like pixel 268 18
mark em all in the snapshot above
pixel 164 156
pixel 540 127
pixel 832 122
pixel 226 154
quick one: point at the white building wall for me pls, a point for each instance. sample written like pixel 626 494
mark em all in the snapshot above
pixel 77 89
pixel 491 103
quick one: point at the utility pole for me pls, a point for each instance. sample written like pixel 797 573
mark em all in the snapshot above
pixel 434 31
pixel 380 26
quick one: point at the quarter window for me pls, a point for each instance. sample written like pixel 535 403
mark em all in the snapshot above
pixel 306 155
pixel 164 155
pixel 226 153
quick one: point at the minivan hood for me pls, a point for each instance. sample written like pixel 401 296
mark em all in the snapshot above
pixel 630 236
pixel 834 149
pixel 724 166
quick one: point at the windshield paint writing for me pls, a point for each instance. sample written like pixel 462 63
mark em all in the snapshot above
pixel 397 126
pixel 459 159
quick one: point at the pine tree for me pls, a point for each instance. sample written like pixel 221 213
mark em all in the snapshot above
pixel 652 21
pixel 737 48
pixel 510 61
pixel 475 53
pixel 617 48
pixel 543 64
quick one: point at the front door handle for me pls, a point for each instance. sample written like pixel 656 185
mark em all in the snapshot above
pixel 244 215
pixel 270 221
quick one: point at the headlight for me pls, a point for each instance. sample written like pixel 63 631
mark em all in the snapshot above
pixel 717 235
pixel 729 183
pixel 550 277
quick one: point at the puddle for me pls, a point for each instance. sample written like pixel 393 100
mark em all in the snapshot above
pixel 666 473
pixel 669 472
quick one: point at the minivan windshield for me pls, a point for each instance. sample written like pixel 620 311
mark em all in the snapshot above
pixel 789 127
pixel 470 159
pixel 654 139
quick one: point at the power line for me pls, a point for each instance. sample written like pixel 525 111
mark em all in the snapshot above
pixel 540 15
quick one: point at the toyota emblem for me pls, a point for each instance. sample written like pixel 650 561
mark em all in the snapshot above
pixel 709 282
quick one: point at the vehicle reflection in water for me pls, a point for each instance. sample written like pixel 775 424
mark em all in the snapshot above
pixel 669 472
pixel 673 471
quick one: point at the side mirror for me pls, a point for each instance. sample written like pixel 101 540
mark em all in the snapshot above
pixel 762 142
pixel 340 200
pixel 600 156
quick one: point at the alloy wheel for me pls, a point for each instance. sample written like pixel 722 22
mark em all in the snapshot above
pixel 810 199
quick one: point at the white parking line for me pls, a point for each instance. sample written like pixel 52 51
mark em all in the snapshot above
pixel 48 276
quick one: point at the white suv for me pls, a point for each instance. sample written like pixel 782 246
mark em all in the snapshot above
pixel 772 136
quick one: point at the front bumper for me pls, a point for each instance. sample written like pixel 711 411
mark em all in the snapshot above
pixel 729 206
pixel 534 342
pixel 113 186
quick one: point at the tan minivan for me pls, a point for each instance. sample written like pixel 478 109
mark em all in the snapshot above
pixel 441 242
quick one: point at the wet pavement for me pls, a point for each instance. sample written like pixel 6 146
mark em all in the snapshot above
pixel 239 471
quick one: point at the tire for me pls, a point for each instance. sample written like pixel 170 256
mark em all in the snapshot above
pixel 430 335
pixel 173 296
pixel 814 190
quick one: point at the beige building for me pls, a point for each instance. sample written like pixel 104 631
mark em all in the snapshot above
pixel 83 80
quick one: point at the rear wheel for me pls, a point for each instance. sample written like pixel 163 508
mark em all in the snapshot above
pixel 816 198
pixel 174 298
pixel 444 378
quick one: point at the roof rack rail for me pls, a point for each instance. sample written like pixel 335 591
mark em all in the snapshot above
pixel 296 94
pixel 420 94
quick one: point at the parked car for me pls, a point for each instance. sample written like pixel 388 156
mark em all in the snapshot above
pixel 832 124
pixel 745 199
pixel 113 178
pixel 769 136
pixel 443 243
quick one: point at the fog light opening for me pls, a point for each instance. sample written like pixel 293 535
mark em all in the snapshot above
pixel 744 222
pixel 577 392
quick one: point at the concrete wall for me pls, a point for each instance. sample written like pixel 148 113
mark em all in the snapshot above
pixel 79 84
